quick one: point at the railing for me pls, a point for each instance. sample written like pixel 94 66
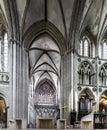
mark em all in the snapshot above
pixel 100 120
pixel 83 113
pixel 3 124
pixel 76 116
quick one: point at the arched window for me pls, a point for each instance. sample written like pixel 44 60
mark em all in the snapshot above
pixel 45 94
pixel 4 52
pixel 104 50
pixel 103 75
pixel 85 46
pixel 45 100
pixel 85 73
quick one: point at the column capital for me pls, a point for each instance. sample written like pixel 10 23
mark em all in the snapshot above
pixel 14 41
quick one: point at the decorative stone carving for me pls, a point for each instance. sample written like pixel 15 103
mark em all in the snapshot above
pixel 79 88
pixel 79 59
pixel 93 61
pixel 100 89
pixel 94 89
pixel 4 77
pixel 99 62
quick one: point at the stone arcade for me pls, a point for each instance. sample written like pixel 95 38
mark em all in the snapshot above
pixel 53 64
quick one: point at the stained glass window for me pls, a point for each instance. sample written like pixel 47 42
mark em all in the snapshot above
pixel 45 94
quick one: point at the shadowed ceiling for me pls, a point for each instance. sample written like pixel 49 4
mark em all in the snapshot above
pixel 70 17
pixel 61 13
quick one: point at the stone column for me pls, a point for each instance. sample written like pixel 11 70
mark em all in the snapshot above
pixel 67 85
pixel 97 85
pixel 19 82
pixel 61 88
pixel 72 89
pixel 25 84
pixel 12 64
pixel 0 51
pixel 22 85
pixel 2 55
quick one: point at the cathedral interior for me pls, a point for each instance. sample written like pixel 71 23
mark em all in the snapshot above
pixel 53 64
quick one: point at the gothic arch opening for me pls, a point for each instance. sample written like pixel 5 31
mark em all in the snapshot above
pixel 103 103
pixel 44 88
pixel 45 94
pixel 45 100
pixel 3 113
pixel 86 73
pixel 103 75
pixel 85 104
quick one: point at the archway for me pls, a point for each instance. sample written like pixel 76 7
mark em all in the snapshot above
pixel 44 88
pixel 103 103
pixel 86 73
pixel 45 105
pixel 3 113
pixel 85 104
pixel 45 94
pixel 102 114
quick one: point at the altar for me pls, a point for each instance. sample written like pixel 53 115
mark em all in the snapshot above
pixel 45 123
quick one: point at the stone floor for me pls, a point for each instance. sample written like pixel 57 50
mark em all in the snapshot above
pixel 50 129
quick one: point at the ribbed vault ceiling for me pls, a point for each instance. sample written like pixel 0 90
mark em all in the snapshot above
pixel 57 12
pixel 44 57
pixel 70 17
pixel 60 13
pixel 92 14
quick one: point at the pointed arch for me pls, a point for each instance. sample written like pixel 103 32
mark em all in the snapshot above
pixel 86 73
pixel 103 102
pixel 3 19
pixel 3 110
pixel 85 102
pixel 104 48
pixel 45 93
pixel 86 46
pixel 88 62
pixel 43 81
pixel 103 74
pixel 40 28
pixel 88 91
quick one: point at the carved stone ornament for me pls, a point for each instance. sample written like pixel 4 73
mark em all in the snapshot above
pixel 99 62
pixel 79 88
pixel 93 61
pixel 100 89
pixel 94 89
pixel 79 59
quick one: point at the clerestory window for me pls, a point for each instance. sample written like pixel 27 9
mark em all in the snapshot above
pixel 85 46
pixel 4 52
pixel 104 50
